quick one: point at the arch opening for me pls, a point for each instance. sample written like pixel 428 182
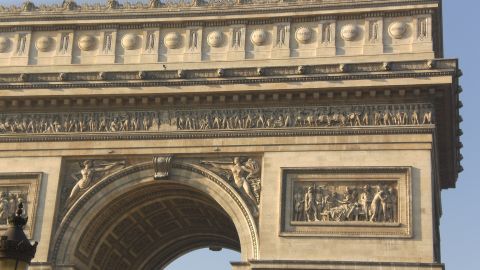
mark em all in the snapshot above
pixel 141 233
pixel 205 258
pixel 127 220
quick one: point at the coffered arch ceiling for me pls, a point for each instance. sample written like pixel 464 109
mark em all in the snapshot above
pixel 149 227
pixel 128 220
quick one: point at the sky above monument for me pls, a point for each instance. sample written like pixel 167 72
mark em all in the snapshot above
pixel 459 223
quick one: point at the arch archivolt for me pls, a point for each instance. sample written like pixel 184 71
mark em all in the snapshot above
pixel 209 210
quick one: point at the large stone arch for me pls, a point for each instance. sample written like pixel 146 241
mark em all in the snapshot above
pixel 189 182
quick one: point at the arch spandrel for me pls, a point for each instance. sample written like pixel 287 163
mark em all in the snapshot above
pixel 125 181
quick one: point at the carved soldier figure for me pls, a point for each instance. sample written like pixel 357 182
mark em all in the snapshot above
pixel 427 118
pixel 298 205
pixel 319 201
pixel 12 203
pixel 3 208
pixel 366 201
pixel 248 121
pixel 21 199
pixel 102 126
pixel 387 118
pixel 414 118
pixel 377 121
pixel 288 119
pixel 376 205
pixel 391 202
pixel 135 122
pixel 310 207
pixel 145 122
pixel 87 174
pixel 365 121
pixel 403 118
pixel 260 120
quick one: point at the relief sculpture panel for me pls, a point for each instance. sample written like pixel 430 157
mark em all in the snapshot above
pixel 368 201
pixel 218 119
pixel 16 188
pixel 360 202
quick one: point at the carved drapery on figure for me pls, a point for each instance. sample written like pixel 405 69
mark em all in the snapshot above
pixel 90 171
pixel 219 119
pixel 346 202
pixel 242 173
pixel 10 198
pixel 16 188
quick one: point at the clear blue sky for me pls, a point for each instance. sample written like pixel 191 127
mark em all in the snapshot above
pixel 460 223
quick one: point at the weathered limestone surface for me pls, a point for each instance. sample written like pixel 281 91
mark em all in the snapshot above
pixel 304 134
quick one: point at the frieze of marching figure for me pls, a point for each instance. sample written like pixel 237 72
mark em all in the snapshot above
pixel 72 5
pixel 242 173
pixel 10 198
pixel 217 119
pixel 361 202
pixel 298 117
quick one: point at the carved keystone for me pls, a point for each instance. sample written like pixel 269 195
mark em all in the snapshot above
pixel 162 166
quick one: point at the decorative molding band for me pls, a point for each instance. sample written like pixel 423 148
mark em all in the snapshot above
pixel 380 130
pixel 187 8
pixel 363 71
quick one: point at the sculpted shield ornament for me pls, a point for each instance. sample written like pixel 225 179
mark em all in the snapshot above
pixel 303 35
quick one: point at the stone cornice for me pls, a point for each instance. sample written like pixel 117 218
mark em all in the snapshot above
pixel 410 129
pixel 70 10
pixel 256 75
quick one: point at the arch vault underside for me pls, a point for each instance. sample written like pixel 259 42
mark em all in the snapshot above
pixel 141 223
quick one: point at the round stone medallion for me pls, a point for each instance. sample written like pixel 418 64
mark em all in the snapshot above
pixel 349 32
pixel 172 40
pixel 86 43
pixel 215 39
pixel 4 44
pixel 397 29
pixel 43 44
pixel 259 37
pixel 129 41
pixel 303 35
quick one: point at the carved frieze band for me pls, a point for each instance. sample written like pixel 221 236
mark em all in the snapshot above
pixel 218 119
pixel 172 6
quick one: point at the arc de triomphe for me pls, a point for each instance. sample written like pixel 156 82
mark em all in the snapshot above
pixel 304 134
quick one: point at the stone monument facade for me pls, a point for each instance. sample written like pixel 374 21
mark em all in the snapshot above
pixel 305 134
